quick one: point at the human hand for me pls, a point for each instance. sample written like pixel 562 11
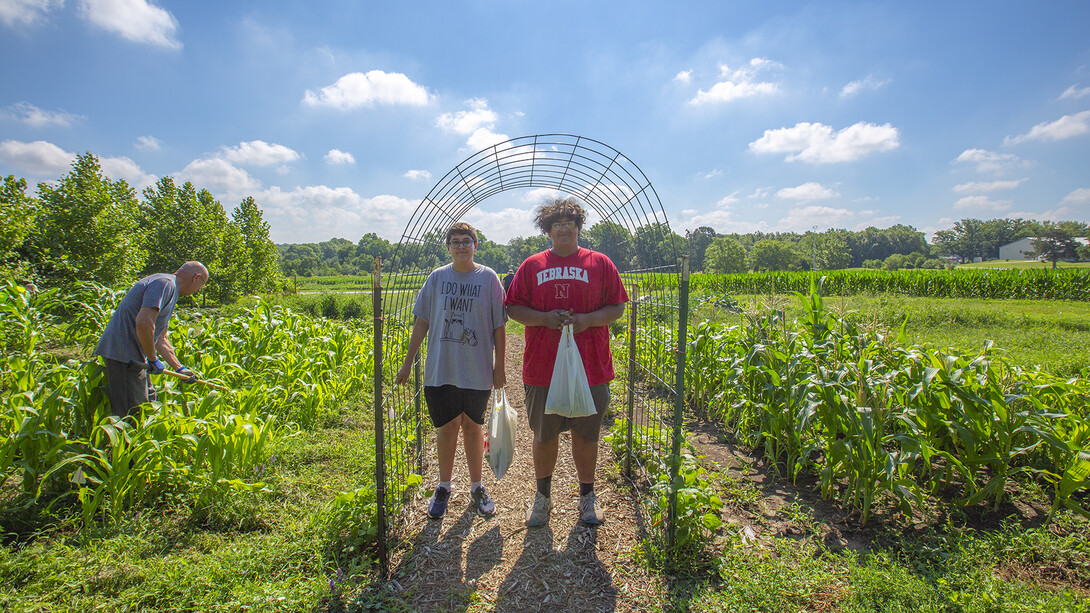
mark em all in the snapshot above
pixel 156 366
pixel 580 322
pixel 557 318
pixel 193 377
pixel 499 378
pixel 403 374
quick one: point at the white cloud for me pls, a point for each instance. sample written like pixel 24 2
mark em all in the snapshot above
pixel 816 143
pixel 684 76
pixel 336 156
pixel 38 158
pixel 147 143
pixel 1057 214
pixel 316 213
pixel 807 217
pixel 26 12
pixel 503 225
pixel 1080 196
pixel 477 124
pixel 417 175
pixel 219 175
pixel 357 89
pixel 36 117
pixel 1065 127
pixel 737 84
pixel 713 174
pixel 989 161
pixel 727 202
pixel 870 83
pixel 130 171
pixel 539 195
pixel 1075 92
pixel 975 187
pixel 139 21
pixel 259 153
pixel 807 192
pixel 722 221
pixel 981 203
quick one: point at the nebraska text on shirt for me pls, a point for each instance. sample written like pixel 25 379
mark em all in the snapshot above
pixel 562 272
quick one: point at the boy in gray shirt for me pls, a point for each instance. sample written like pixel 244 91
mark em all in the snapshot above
pixel 460 310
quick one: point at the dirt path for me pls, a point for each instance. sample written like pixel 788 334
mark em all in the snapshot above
pixel 464 562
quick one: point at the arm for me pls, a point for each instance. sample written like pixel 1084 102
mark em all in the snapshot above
pixel 166 351
pixel 420 330
pixel 499 364
pixel 602 317
pixel 145 331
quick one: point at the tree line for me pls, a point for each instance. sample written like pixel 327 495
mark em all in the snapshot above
pixel 88 227
pixel 892 248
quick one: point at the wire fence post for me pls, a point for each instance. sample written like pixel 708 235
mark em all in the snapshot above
pixel 632 302
pixel 679 399
pixel 380 430
pixel 417 406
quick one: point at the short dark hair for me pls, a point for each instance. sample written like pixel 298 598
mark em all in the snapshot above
pixel 559 210
pixel 461 227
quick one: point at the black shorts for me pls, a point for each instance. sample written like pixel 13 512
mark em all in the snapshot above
pixel 449 401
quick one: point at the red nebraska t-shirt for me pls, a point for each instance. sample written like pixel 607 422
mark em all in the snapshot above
pixel 584 281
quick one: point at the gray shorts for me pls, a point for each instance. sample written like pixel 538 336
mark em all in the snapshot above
pixel 129 387
pixel 547 427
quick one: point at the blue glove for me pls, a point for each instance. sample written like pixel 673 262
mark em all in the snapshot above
pixel 192 375
pixel 156 366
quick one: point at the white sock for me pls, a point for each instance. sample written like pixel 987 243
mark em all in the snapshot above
pixel 473 486
pixel 446 485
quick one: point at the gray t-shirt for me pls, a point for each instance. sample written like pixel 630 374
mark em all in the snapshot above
pixel 462 310
pixel 119 341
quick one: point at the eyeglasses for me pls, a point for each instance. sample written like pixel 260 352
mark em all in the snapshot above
pixel 564 225
pixel 469 242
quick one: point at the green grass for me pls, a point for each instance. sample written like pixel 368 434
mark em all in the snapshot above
pixel 267 553
pixel 1052 334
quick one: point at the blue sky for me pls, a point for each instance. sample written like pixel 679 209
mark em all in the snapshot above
pixel 338 117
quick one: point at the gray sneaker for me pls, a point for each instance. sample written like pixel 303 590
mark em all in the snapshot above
pixel 538 515
pixel 484 504
pixel 589 511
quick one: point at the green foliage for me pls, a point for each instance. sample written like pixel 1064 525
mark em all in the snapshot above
pixel 1064 284
pixel 88 228
pixel 725 256
pixel 771 254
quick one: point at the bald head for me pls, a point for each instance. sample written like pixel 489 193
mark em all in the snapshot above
pixel 190 278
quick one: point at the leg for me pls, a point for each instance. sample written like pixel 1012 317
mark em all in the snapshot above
pixel 545 456
pixel 446 443
pixel 473 441
pixel 585 454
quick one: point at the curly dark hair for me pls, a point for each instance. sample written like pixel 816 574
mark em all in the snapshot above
pixel 559 210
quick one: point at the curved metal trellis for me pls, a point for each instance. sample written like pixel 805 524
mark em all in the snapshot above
pixel 636 237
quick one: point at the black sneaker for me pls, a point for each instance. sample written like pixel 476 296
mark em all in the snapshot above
pixel 484 504
pixel 438 505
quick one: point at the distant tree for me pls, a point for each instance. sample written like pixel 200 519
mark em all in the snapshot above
pixel 656 246
pixel 699 240
pixel 1055 243
pixel 1083 252
pixel 521 248
pixel 491 254
pixel 825 251
pixel 725 255
pixel 610 238
pixel 259 254
pixel 87 228
pixel 771 254
pixel 968 240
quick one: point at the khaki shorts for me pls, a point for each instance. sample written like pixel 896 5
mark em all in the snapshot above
pixel 548 427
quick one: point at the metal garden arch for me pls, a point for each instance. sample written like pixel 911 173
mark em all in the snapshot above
pixel 653 268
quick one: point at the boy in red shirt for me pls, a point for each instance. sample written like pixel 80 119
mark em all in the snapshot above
pixel 565 285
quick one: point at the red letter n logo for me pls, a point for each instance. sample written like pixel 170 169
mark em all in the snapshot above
pixel 562 290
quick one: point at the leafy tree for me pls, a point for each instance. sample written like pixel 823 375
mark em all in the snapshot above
pixel 725 255
pixel 521 248
pixel 610 238
pixel 769 254
pixel 827 251
pixel 258 255
pixel 17 218
pixel 656 245
pixel 699 241
pixel 88 228
pixel 1055 243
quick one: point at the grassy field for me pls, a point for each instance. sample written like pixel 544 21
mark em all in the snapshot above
pixel 1022 264
pixel 1054 335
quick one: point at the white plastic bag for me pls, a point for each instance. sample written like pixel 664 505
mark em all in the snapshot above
pixel 569 391
pixel 499 447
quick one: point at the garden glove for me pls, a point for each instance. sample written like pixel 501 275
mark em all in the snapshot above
pixel 156 366
pixel 189 373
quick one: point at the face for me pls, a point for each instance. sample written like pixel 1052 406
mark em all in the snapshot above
pixel 462 247
pixel 192 285
pixel 564 234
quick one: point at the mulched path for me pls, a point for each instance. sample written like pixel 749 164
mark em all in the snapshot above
pixel 465 562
